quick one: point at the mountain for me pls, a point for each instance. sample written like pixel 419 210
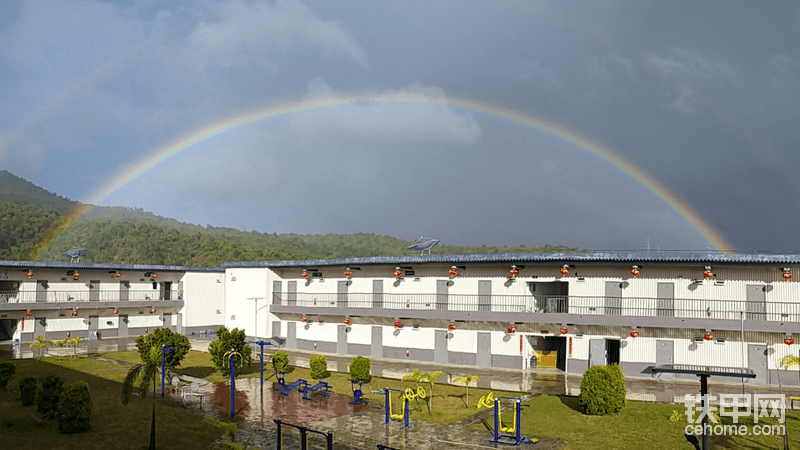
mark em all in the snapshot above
pixel 39 225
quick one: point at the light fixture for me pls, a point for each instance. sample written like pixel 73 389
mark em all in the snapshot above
pixel 453 272
pixel 564 270
pixel 513 272
pixel 635 271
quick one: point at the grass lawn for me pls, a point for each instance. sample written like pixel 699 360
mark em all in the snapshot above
pixel 560 417
pixel 113 425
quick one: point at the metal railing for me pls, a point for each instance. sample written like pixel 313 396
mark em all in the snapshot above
pixel 90 295
pixel 531 304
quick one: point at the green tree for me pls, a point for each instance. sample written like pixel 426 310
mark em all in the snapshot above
pixel 469 379
pixel 280 360
pixel 7 371
pixel 39 345
pixel 318 366
pixel 228 340
pixel 146 373
pixel 167 338
pixel 27 390
pixel 359 369
pixel 430 378
pixel 74 411
pixel 603 390
pixel 47 400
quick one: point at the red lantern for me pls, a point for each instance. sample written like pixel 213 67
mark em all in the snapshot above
pixel 153 276
pixel 397 324
pixel 707 274
pixel 452 327
pixel 347 322
pixel 512 329
pixel 152 311
pixel 74 313
pixel 30 273
pixel 564 271
pixel 397 273
pixel 634 334
pixel 304 274
pixel 76 275
pixel 116 275
pixel 27 314
pixel 348 273
pixel 708 336
pixel 635 271
pixel 453 272
pixel 564 330
pixel 116 311
pixel 788 341
pixel 304 319
pixel 786 276
pixel 513 272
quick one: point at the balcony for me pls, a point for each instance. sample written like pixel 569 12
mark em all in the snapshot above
pixel 587 310
pixel 88 299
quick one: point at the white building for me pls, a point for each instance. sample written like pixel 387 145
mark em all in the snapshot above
pixel 571 311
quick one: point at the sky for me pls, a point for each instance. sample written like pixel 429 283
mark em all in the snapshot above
pixel 701 97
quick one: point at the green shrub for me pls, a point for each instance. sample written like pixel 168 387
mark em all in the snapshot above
pixel 319 367
pixel 47 399
pixel 226 341
pixel 167 338
pixel 27 390
pixel 603 390
pixel 7 371
pixel 280 360
pixel 74 410
pixel 359 369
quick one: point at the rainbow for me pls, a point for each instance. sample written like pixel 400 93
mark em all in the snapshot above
pixel 128 175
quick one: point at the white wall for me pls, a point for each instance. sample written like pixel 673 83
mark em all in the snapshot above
pixel 203 298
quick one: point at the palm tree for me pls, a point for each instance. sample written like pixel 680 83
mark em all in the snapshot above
pixel 469 379
pixel 74 343
pixel 40 344
pixel 146 373
pixel 430 378
pixel 60 345
pixel 789 361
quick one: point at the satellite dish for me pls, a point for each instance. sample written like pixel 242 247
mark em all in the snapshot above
pixel 422 244
pixel 75 254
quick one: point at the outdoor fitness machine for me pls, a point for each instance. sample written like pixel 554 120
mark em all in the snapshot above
pixel 358 396
pixel 303 435
pixel 515 427
pixel 407 396
pixel 281 379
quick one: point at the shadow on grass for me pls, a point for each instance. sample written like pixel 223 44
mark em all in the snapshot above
pixel 571 402
pixel 196 371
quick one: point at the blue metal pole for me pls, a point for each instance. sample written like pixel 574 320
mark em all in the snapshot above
pixel 163 362
pixel 496 420
pixel 386 405
pixel 233 384
pixel 262 361
pixel 405 416
pixel 519 423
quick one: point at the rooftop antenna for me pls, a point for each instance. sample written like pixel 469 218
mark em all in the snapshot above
pixel 422 244
pixel 75 254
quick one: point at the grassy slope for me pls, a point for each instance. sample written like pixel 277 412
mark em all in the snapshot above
pixel 113 425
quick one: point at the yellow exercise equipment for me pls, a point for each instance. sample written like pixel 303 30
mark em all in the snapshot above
pixel 486 401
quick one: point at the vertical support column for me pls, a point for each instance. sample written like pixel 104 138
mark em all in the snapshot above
pixel 704 400
pixel 496 420
pixel 387 406
pixel 407 413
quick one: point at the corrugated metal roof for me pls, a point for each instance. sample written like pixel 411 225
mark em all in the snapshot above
pixel 596 257
pixel 105 266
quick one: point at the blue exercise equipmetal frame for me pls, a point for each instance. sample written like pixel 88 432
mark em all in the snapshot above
pixel 303 435
pixel 308 392
pixel 509 439
pixel 358 395
pixel 388 408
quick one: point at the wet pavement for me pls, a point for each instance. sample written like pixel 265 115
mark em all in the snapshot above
pixel 363 427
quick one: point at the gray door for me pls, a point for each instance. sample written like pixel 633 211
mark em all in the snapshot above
pixel 484 295
pixel 41 291
pixel 276 329
pixel 484 356
pixel 124 286
pixel 291 293
pixel 38 327
pixel 613 301
pixel 757 361
pixel 123 325
pixel 442 289
pixel 291 334
pixel 94 323
pixel 377 293
pixel 94 291
pixel 597 352
pixel 756 302
pixel 376 349
pixel 665 354
pixel 341 340
pixel 440 346
pixel 168 321
pixel 167 290
pixel 665 305
pixel 341 294
pixel 276 293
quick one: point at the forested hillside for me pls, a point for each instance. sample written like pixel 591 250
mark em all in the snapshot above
pixel 124 235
